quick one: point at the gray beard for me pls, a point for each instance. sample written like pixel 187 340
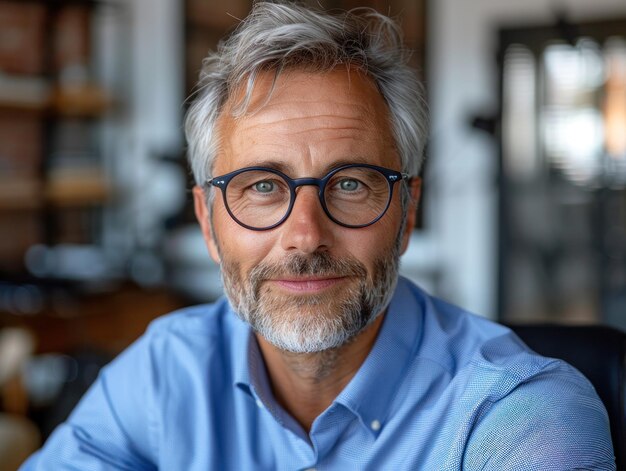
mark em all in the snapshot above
pixel 312 323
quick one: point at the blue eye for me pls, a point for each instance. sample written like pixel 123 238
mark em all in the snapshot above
pixel 264 186
pixel 348 185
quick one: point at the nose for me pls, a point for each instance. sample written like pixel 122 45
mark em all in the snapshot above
pixel 307 229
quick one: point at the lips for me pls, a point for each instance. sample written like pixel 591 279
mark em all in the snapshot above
pixel 302 275
pixel 308 284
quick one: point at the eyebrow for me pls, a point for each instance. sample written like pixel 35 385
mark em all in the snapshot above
pixel 288 169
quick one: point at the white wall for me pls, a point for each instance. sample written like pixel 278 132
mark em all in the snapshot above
pixel 462 80
pixel 155 111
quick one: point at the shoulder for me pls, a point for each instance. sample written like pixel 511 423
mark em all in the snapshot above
pixel 484 355
pixel 554 416
pixel 203 319
pixel 192 350
pixel 203 327
pixel 180 345
pixel 461 342
pixel 523 410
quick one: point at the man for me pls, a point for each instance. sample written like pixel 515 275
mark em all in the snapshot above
pixel 305 140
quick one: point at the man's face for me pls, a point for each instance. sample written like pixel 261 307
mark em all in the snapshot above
pixel 308 284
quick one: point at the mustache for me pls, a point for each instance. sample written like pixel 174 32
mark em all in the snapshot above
pixel 318 263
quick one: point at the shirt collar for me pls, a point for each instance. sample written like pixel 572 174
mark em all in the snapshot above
pixel 241 339
pixel 250 376
pixel 371 392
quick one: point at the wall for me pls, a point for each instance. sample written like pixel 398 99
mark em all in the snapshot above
pixel 155 108
pixel 462 81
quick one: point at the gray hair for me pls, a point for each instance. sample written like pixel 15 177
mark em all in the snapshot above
pixel 280 36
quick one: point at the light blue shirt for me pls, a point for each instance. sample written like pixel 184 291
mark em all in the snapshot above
pixel 441 389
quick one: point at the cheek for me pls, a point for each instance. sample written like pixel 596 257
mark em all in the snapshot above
pixel 369 244
pixel 239 244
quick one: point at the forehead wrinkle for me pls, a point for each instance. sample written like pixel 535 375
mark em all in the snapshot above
pixel 289 114
pixel 333 127
pixel 375 111
pixel 353 121
pixel 347 142
pixel 349 106
pixel 317 123
pixel 338 130
pixel 345 102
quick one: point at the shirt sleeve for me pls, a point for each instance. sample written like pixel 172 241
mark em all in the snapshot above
pixel 552 422
pixel 113 425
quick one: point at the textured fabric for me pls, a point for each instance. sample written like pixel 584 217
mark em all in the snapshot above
pixel 441 390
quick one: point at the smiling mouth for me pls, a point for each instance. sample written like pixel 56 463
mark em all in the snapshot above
pixel 306 285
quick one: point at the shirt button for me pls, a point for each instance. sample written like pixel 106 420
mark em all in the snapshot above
pixel 375 425
pixel 259 403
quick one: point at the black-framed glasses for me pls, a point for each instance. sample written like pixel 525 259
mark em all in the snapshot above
pixel 354 195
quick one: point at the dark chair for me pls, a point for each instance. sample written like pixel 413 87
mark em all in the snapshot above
pixel 598 352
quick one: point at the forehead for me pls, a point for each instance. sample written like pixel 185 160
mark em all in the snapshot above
pixel 306 118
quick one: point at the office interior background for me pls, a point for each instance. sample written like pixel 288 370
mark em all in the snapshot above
pixel 523 217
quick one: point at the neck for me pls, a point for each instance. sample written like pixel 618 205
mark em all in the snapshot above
pixel 305 384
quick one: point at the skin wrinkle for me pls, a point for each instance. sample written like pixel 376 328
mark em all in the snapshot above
pixel 260 148
pixel 320 129
pixel 285 125
pixel 276 150
pixel 273 113
pixel 306 118
pixel 266 98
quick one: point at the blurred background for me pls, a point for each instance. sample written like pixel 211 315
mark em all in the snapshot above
pixel 523 216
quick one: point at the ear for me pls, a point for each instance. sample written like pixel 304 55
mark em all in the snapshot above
pixel 203 216
pixel 415 189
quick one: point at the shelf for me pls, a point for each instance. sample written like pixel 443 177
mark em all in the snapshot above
pixel 88 190
pixel 19 194
pixel 74 189
pixel 60 92
pixel 85 102
pixel 77 186
pixel 24 93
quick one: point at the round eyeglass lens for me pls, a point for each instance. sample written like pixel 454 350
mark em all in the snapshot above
pixel 356 196
pixel 258 198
